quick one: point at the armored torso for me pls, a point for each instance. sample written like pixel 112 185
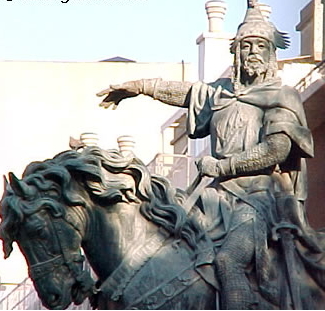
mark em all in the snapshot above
pixel 235 127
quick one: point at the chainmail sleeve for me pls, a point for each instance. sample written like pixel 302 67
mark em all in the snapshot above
pixel 274 150
pixel 173 93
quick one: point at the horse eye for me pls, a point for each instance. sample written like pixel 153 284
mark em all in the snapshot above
pixel 38 232
pixel 34 227
pixel 35 232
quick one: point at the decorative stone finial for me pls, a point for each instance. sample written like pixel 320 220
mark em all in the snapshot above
pixel 126 144
pixel 89 139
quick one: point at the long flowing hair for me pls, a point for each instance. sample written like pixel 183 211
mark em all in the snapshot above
pixel 80 178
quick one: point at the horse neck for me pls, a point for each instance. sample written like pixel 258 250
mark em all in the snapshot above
pixel 111 233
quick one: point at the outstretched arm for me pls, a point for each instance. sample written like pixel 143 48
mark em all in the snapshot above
pixel 169 92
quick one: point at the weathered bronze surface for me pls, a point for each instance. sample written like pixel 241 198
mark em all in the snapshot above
pixel 237 239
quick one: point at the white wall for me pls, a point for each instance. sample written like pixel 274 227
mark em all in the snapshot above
pixel 42 104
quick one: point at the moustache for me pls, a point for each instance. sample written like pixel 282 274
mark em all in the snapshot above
pixel 255 58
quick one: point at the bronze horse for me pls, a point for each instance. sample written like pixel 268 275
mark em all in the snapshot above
pixel 145 251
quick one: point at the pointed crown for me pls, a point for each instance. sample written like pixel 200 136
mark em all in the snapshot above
pixel 255 25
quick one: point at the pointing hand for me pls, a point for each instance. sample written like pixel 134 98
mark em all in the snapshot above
pixel 116 93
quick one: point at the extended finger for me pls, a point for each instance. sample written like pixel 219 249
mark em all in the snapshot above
pixel 108 104
pixel 104 92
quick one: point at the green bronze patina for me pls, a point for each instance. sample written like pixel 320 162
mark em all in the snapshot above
pixel 244 244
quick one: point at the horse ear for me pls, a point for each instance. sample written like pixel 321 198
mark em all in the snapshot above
pixel 5 183
pixel 18 186
pixel 7 249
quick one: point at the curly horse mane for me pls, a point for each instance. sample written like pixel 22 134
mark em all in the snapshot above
pixel 160 203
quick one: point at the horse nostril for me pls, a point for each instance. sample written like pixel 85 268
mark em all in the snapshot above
pixel 53 298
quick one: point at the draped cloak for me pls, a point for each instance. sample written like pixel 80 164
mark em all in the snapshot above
pixel 280 108
pixel 236 123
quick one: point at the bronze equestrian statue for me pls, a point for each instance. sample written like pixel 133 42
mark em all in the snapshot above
pixel 244 244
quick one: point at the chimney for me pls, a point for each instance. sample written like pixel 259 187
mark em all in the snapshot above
pixel 266 10
pixel 311 29
pixel 216 10
pixel 214 55
pixel 126 144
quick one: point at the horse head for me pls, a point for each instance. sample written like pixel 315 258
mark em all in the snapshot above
pixel 49 234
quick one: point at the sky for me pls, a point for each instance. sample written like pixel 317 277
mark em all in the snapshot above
pixel 142 30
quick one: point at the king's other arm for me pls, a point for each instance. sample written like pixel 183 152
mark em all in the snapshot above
pixel 274 150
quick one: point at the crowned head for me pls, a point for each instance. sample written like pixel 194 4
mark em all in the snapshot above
pixel 255 46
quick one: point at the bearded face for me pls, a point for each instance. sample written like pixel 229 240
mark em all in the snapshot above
pixel 254 55
pixel 254 65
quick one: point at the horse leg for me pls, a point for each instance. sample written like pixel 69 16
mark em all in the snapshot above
pixel 231 261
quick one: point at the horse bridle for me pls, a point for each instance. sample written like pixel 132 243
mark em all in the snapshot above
pixel 41 269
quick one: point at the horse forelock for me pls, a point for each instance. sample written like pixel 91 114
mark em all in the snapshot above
pixel 14 211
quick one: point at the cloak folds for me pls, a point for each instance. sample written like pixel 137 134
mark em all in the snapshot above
pixel 283 112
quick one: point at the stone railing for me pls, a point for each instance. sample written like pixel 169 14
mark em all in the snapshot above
pixel 24 297
pixel 315 74
pixel 177 168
